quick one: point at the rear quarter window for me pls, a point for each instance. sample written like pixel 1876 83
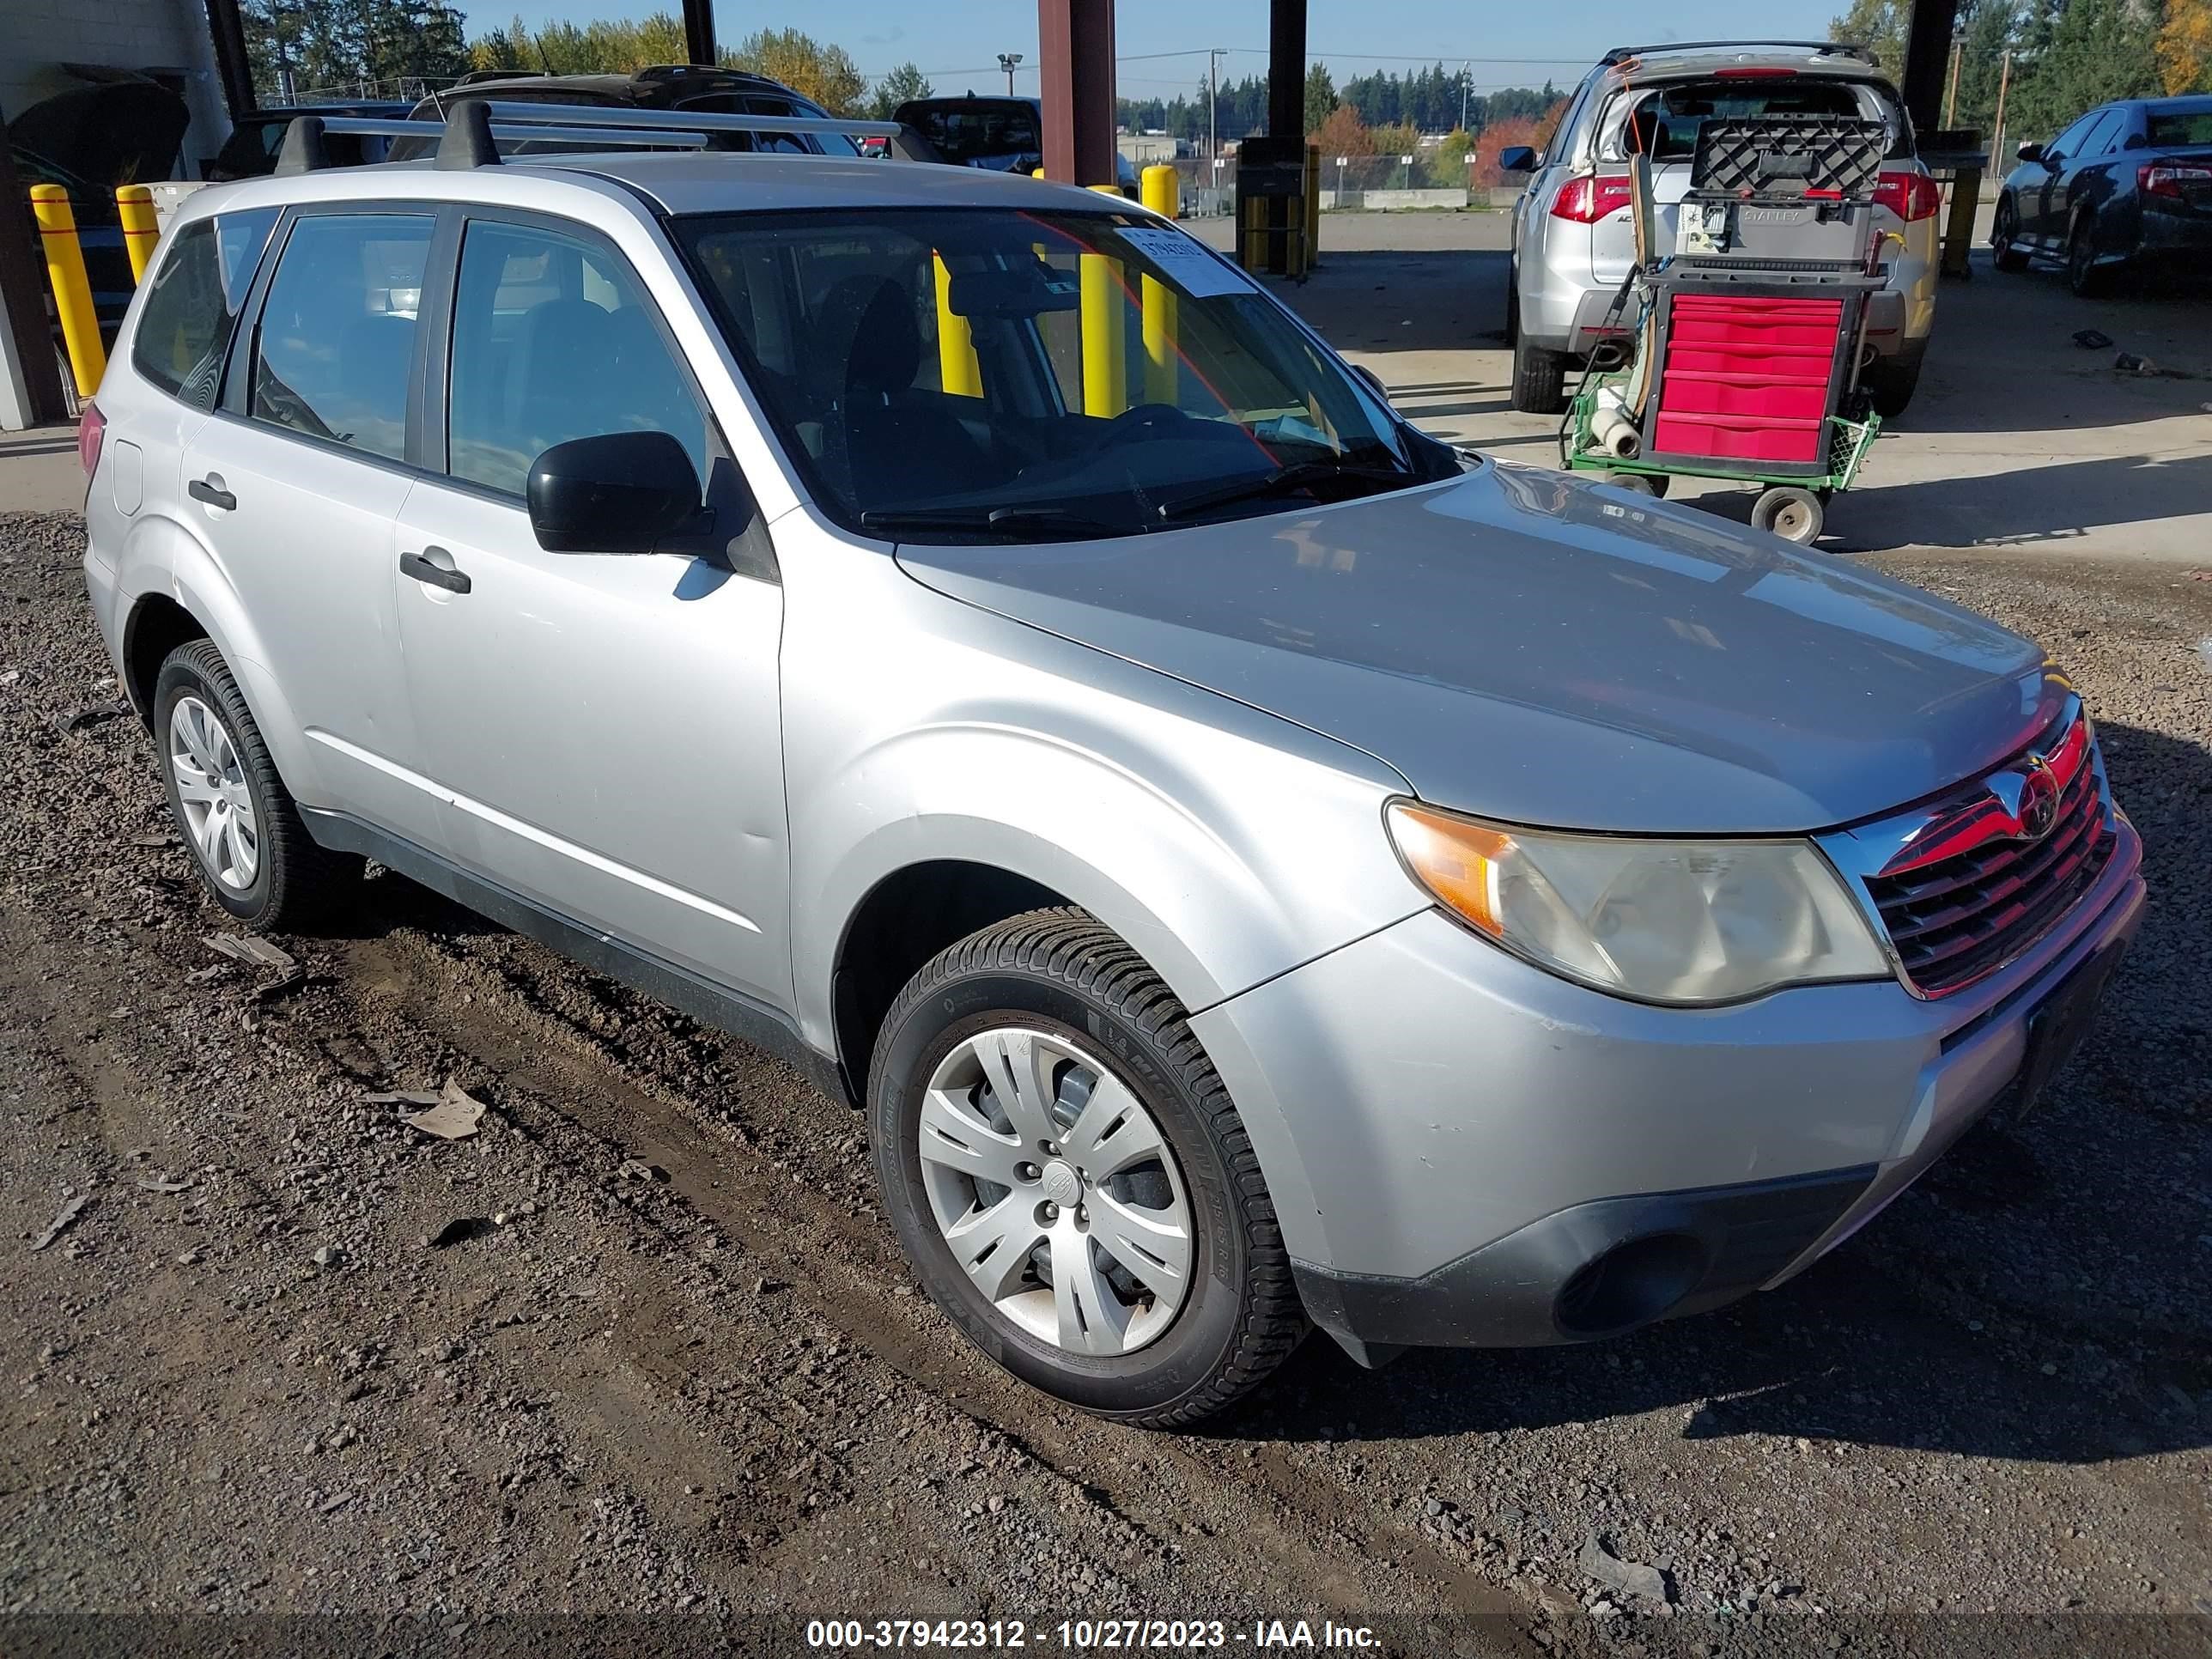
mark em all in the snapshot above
pixel 184 326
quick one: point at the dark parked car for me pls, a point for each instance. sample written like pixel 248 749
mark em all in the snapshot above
pixel 250 152
pixel 2127 187
pixel 1006 135
pixel 666 86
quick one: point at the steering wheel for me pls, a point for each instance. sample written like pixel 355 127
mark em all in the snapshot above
pixel 1143 420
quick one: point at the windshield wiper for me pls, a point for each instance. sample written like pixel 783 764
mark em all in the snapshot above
pixel 1298 475
pixel 1006 520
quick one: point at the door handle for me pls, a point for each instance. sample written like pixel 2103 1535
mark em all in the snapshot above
pixel 210 491
pixel 435 565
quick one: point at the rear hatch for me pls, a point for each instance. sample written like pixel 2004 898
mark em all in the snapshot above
pixel 1671 113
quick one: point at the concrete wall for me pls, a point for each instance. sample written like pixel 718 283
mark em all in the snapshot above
pixel 1389 201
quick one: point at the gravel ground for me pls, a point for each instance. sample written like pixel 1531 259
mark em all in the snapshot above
pixel 644 1345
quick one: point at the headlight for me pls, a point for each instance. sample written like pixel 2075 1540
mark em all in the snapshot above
pixel 1682 921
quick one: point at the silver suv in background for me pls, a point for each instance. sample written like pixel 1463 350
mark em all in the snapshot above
pixel 1251 865
pixel 1574 239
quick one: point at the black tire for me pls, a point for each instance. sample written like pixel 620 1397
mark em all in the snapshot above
pixel 1793 514
pixel 1641 484
pixel 1059 971
pixel 296 882
pixel 1540 377
pixel 2083 274
pixel 1891 382
pixel 2010 255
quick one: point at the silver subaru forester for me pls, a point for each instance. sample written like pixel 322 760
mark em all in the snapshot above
pixel 1254 866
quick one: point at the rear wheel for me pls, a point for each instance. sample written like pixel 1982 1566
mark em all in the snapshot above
pixel 2010 255
pixel 254 854
pixel 1540 377
pixel 1890 383
pixel 2083 274
pixel 1792 514
pixel 1071 1180
pixel 1641 484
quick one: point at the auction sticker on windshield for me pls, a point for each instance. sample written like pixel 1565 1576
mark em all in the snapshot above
pixel 1188 261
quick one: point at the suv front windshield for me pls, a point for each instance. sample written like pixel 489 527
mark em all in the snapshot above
pixel 949 374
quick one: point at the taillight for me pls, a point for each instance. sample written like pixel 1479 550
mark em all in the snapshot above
pixel 1909 195
pixel 1753 72
pixel 1586 200
pixel 2166 178
pixel 91 427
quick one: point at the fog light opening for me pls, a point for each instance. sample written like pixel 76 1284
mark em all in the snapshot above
pixel 1631 1285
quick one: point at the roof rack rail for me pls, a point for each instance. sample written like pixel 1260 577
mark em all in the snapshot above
pixel 906 144
pixel 1841 48
pixel 506 131
pixel 477 78
pixel 466 137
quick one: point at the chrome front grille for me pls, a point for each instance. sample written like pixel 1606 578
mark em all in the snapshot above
pixel 1971 889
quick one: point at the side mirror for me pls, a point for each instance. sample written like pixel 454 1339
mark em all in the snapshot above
pixel 1372 382
pixel 2031 152
pixel 620 492
pixel 1517 158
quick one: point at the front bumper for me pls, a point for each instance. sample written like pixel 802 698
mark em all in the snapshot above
pixel 1467 1150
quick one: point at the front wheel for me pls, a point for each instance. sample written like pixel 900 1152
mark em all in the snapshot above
pixel 1071 1180
pixel 2003 237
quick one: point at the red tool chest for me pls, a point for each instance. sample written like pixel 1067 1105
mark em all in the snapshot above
pixel 1748 378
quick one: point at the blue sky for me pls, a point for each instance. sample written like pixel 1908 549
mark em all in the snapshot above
pixel 958 44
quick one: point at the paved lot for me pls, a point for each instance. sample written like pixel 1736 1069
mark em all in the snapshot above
pixel 2020 438
pixel 644 1344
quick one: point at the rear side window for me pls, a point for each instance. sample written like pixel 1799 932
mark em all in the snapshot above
pixel 2101 137
pixel 184 329
pixel 554 340
pixel 337 331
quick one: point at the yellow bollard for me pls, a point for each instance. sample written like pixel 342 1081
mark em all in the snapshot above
pixel 50 205
pixel 134 205
pixel 1105 337
pixel 1162 191
pixel 959 372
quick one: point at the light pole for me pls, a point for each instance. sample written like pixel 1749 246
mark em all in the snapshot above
pixel 1213 58
pixel 1007 60
pixel 1466 82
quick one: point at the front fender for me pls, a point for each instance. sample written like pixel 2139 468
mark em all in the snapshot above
pixel 160 557
pixel 1225 844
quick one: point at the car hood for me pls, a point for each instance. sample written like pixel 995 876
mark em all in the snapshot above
pixel 1520 644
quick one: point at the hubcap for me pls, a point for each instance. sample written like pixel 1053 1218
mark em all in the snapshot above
pixel 212 794
pixel 1056 1191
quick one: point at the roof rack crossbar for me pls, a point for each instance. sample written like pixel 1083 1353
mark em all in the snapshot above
pixel 1841 48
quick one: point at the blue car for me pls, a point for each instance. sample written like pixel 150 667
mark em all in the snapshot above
pixel 2127 188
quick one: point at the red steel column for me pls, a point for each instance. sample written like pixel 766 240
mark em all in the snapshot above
pixel 1075 64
